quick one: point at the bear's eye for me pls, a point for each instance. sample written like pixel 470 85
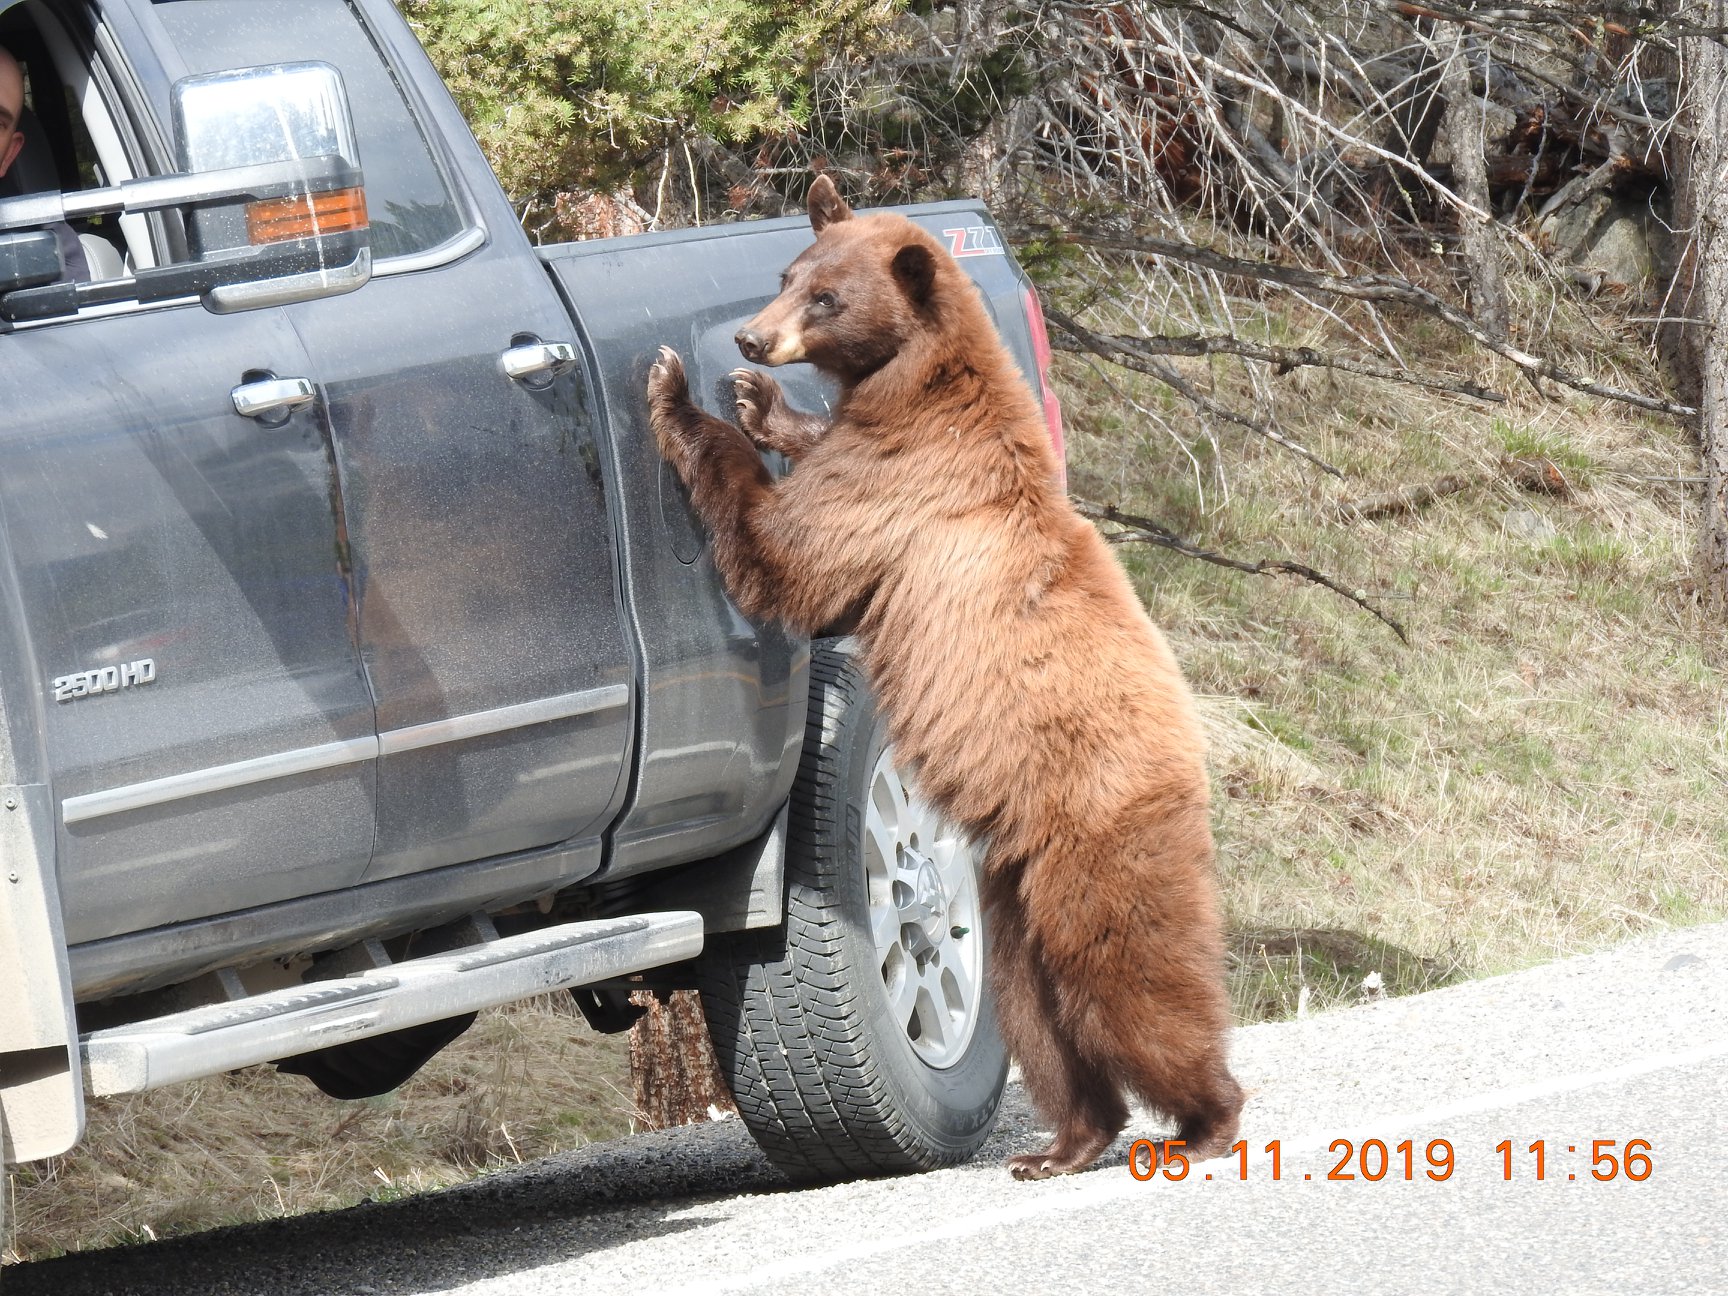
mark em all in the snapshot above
pixel 826 300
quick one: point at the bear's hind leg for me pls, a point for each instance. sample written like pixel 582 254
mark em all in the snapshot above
pixel 1209 1124
pixel 1095 1116
pixel 1164 1033
pixel 1164 1040
pixel 1162 1024
pixel 1079 1098
pixel 1137 965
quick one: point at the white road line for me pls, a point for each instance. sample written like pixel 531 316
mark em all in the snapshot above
pixel 1517 1095
pixel 1061 1195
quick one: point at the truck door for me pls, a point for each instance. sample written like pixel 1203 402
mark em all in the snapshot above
pixel 180 572
pixel 466 445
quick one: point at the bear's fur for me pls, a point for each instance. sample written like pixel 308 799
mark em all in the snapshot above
pixel 1023 685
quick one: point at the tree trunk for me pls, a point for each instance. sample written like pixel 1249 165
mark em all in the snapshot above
pixel 673 1075
pixel 1467 128
pixel 1417 114
pixel 1419 106
pixel 1706 189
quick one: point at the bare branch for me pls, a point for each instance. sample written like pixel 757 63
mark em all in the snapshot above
pixel 1168 375
pixel 1282 358
pixel 1368 287
pixel 1531 473
pixel 1150 532
pixel 1405 499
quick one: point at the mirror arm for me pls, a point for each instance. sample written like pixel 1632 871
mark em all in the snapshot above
pixel 268 180
pixel 304 264
pixel 34 210
pixel 225 299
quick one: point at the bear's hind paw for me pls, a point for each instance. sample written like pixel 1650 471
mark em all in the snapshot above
pixel 1035 1166
pixel 1054 1161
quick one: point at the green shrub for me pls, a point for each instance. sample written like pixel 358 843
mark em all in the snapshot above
pixel 585 94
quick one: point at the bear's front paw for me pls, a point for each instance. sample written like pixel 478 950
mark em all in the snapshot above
pixel 754 395
pixel 668 388
pixel 670 408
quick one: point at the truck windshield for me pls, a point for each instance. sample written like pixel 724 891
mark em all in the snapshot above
pixel 407 197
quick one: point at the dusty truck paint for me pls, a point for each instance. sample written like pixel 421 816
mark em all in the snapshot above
pixel 360 664
pixel 717 278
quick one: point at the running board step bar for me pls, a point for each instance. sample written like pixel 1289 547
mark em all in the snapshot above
pixel 267 1027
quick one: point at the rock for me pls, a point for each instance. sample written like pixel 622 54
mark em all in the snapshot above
pixel 1621 248
pixel 1568 232
pixel 1527 523
pixel 1608 237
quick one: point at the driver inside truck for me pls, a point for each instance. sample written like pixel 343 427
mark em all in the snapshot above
pixel 12 142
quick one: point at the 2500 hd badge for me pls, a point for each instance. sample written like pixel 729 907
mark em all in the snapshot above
pixel 105 679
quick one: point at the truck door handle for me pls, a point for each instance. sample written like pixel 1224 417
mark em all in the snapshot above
pixel 538 360
pixel 257 400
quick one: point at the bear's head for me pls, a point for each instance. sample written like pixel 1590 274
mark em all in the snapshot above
pixel 856 297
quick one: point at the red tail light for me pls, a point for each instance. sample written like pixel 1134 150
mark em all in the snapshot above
pixel 1052 406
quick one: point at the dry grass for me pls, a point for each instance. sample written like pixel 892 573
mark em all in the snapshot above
pixel 1540 773
pixel 524 1082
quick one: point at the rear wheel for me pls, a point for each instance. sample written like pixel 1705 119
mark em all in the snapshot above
pixel 860 1039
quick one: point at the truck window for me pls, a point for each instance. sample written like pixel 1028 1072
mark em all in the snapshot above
pixel 407 197
pixel 70 139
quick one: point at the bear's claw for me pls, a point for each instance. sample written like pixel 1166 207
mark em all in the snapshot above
pixel 1036 1166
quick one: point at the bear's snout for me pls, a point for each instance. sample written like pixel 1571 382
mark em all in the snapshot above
pixel 751 344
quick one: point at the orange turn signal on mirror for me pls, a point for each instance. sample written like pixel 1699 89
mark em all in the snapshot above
pixel 276 220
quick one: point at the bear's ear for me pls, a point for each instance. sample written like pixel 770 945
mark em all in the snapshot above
pixel 915 268
pixel 826 205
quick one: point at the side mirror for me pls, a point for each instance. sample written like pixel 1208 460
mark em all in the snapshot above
pixel 282 113
pixel 270 188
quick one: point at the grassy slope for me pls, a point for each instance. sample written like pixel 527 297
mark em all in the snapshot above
pixel 1539 773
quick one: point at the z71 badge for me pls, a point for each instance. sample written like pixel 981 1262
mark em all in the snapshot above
pixel 107 679
pixel 973 240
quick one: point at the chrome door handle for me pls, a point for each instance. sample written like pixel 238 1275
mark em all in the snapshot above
pixel 538 360
pixel 271 396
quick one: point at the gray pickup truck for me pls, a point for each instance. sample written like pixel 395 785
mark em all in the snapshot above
pixel 361 666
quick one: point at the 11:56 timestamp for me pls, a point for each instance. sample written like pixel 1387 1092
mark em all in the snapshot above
pixel 1609 1159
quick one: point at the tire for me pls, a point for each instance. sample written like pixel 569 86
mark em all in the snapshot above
pixel 859 1039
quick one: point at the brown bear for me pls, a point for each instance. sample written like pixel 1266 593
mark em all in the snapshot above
pixel 1023 685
